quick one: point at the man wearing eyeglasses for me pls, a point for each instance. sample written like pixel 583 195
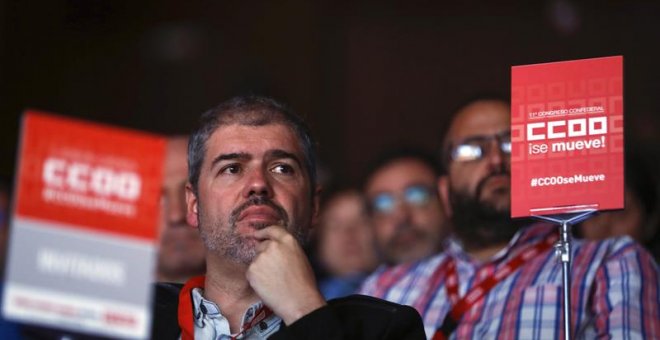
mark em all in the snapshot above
pixel 476 152
pixel 403 202
pixel 499 278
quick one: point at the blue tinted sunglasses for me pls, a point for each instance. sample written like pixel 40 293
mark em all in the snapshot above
pixel 414 196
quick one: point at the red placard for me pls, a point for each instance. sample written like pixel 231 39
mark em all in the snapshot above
pixel 567 136
pixel 90 176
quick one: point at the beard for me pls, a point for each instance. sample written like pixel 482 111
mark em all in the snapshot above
pixel 223 239
pixel 479 223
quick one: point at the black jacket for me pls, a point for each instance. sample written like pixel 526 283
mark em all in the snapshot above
pixel 352 317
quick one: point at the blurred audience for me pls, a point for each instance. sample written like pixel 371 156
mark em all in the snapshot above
pixel 5 196
pixel 8 330
pixel 499 278
pixel 408 219
pixel 345 244
pixel 181 253
pixel 639 219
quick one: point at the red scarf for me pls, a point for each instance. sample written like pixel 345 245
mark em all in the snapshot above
pixel 187 307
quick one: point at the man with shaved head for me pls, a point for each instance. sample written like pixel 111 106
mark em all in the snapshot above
pixel 499 278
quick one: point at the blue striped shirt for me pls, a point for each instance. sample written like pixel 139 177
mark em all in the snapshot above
pixel 614 291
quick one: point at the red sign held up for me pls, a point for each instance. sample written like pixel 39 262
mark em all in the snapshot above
pixel 567 136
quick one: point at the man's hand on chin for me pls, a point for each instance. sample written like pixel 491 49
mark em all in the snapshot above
pixel 282 276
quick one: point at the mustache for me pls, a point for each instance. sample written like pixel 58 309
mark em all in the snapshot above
pixel 482 183
pixel 256 201
pixel 402 228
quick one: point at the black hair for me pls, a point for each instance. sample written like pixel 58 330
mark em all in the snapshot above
pixel 404 152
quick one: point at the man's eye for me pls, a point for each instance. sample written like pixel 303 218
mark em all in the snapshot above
pixel 283 169
pixel 231 169
pixel 467 152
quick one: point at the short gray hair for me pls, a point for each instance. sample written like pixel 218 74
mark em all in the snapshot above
pixel 248 111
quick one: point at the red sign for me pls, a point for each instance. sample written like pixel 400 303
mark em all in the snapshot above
pixel 90 176
pixel 567 136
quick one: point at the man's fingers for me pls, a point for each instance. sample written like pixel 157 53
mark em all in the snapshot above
pixel 274 232
pixel 262 245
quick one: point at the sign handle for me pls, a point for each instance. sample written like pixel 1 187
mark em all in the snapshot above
pixel 563 252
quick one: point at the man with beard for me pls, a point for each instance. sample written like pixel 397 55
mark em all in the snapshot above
pixel 252 194
pixel 408 220
pixel 499 278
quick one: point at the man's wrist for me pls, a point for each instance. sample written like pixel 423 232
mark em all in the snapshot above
pixel 305 306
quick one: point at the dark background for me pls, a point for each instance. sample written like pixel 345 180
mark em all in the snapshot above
pixel 368 75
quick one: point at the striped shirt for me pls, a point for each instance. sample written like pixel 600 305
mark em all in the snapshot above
pixel 614 290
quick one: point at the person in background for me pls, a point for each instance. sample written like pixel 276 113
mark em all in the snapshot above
pixel 640 219
pixel 253 196
pixel 345 244
pixel 181 252
pixel 499 278
pixel 8 330
pixel 408 219
pixel 5 206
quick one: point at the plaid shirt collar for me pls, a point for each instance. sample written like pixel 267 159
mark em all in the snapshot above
pixel 454 247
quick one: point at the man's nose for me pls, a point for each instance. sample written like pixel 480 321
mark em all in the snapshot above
pixel 401 213
pixel 257 184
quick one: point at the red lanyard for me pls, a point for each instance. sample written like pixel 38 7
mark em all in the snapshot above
pixel 476 293
pixel 186 311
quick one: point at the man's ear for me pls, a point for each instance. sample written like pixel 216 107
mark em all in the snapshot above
pixel 443 189
pixel 316 205
pixel 192 216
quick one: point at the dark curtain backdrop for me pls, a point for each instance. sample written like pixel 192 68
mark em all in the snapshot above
pixel 367 74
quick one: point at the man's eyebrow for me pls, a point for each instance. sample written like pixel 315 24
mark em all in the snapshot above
pixel 482 136
pixel 230 156
pixel 279 154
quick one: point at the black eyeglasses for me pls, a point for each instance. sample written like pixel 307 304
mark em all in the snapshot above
pixel 476 148
pixel 414 195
